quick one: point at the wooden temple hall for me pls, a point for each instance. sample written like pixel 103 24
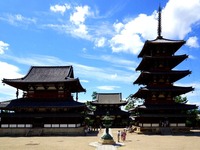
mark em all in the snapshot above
pixel 110 103
pixel 157 76
pixel 49 105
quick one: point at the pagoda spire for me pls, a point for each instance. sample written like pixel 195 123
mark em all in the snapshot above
pixel 159 23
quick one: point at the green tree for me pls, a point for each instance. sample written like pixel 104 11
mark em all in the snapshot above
pixel 132 102
pixel 94 95
pixel 193 120
pixel 90 107
pixel 180 99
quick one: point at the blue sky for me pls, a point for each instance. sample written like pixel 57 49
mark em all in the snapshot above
pixel 99 38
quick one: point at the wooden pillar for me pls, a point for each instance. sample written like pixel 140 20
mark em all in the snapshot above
pixel 76 96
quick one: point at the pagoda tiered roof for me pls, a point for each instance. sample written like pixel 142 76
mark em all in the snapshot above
pixel 172 61
pixel 109 99
pixel 47 76
pixel 172 76
pixel 144 92
pixel 170 46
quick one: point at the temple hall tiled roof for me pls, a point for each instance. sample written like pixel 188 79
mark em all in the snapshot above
pixel 109 98
pixel 46 76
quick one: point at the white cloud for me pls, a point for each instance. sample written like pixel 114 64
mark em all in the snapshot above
pixel 100 42
pixel 108 87
pixel 129 35
pixel 3 46
pixel 118 27
pixel 8 71
pixel 192 42
pixel 60 8
pixel 130 43
pixel 80 14
pixel 178 18
pixel 78 20
pixel 81 31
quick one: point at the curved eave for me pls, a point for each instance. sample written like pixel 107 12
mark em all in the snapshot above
pixel 147 77
pixel 174 90
pixel 46 115
pixel 73 85
pixel 170 45
pixel 172 61
pixel 40 103
pixel 175 106
pixel 113 103
pixel 112 113
pixel 164 115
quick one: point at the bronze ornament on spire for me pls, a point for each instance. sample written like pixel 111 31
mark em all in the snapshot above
pixel 159 23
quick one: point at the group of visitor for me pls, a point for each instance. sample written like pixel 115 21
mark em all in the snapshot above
pixel 122 135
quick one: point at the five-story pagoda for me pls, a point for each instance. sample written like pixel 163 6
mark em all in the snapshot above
pixel 158 76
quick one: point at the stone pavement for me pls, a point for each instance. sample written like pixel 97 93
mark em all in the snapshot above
pixel 106 147
pixel 100 146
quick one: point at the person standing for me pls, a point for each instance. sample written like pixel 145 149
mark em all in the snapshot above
pixel 118 135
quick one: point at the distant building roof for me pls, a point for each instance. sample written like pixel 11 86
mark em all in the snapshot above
pixel 109 98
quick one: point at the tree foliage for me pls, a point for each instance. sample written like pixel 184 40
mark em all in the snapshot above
pixel 132 102
pixel 180 99
pixel 90 107
pixel 94 95
pixel 191 121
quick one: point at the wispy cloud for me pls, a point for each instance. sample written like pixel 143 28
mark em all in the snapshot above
pixel 84 71
pixel 131 64
pixel 108 87
pixel 18 19
pixel 84 81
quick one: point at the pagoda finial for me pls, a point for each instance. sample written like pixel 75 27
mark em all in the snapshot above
pixel 159 23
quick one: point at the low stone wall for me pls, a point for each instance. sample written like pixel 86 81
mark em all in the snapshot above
pixel 63 131
pixel 42 131
pixel 13 131
pixel 157 130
